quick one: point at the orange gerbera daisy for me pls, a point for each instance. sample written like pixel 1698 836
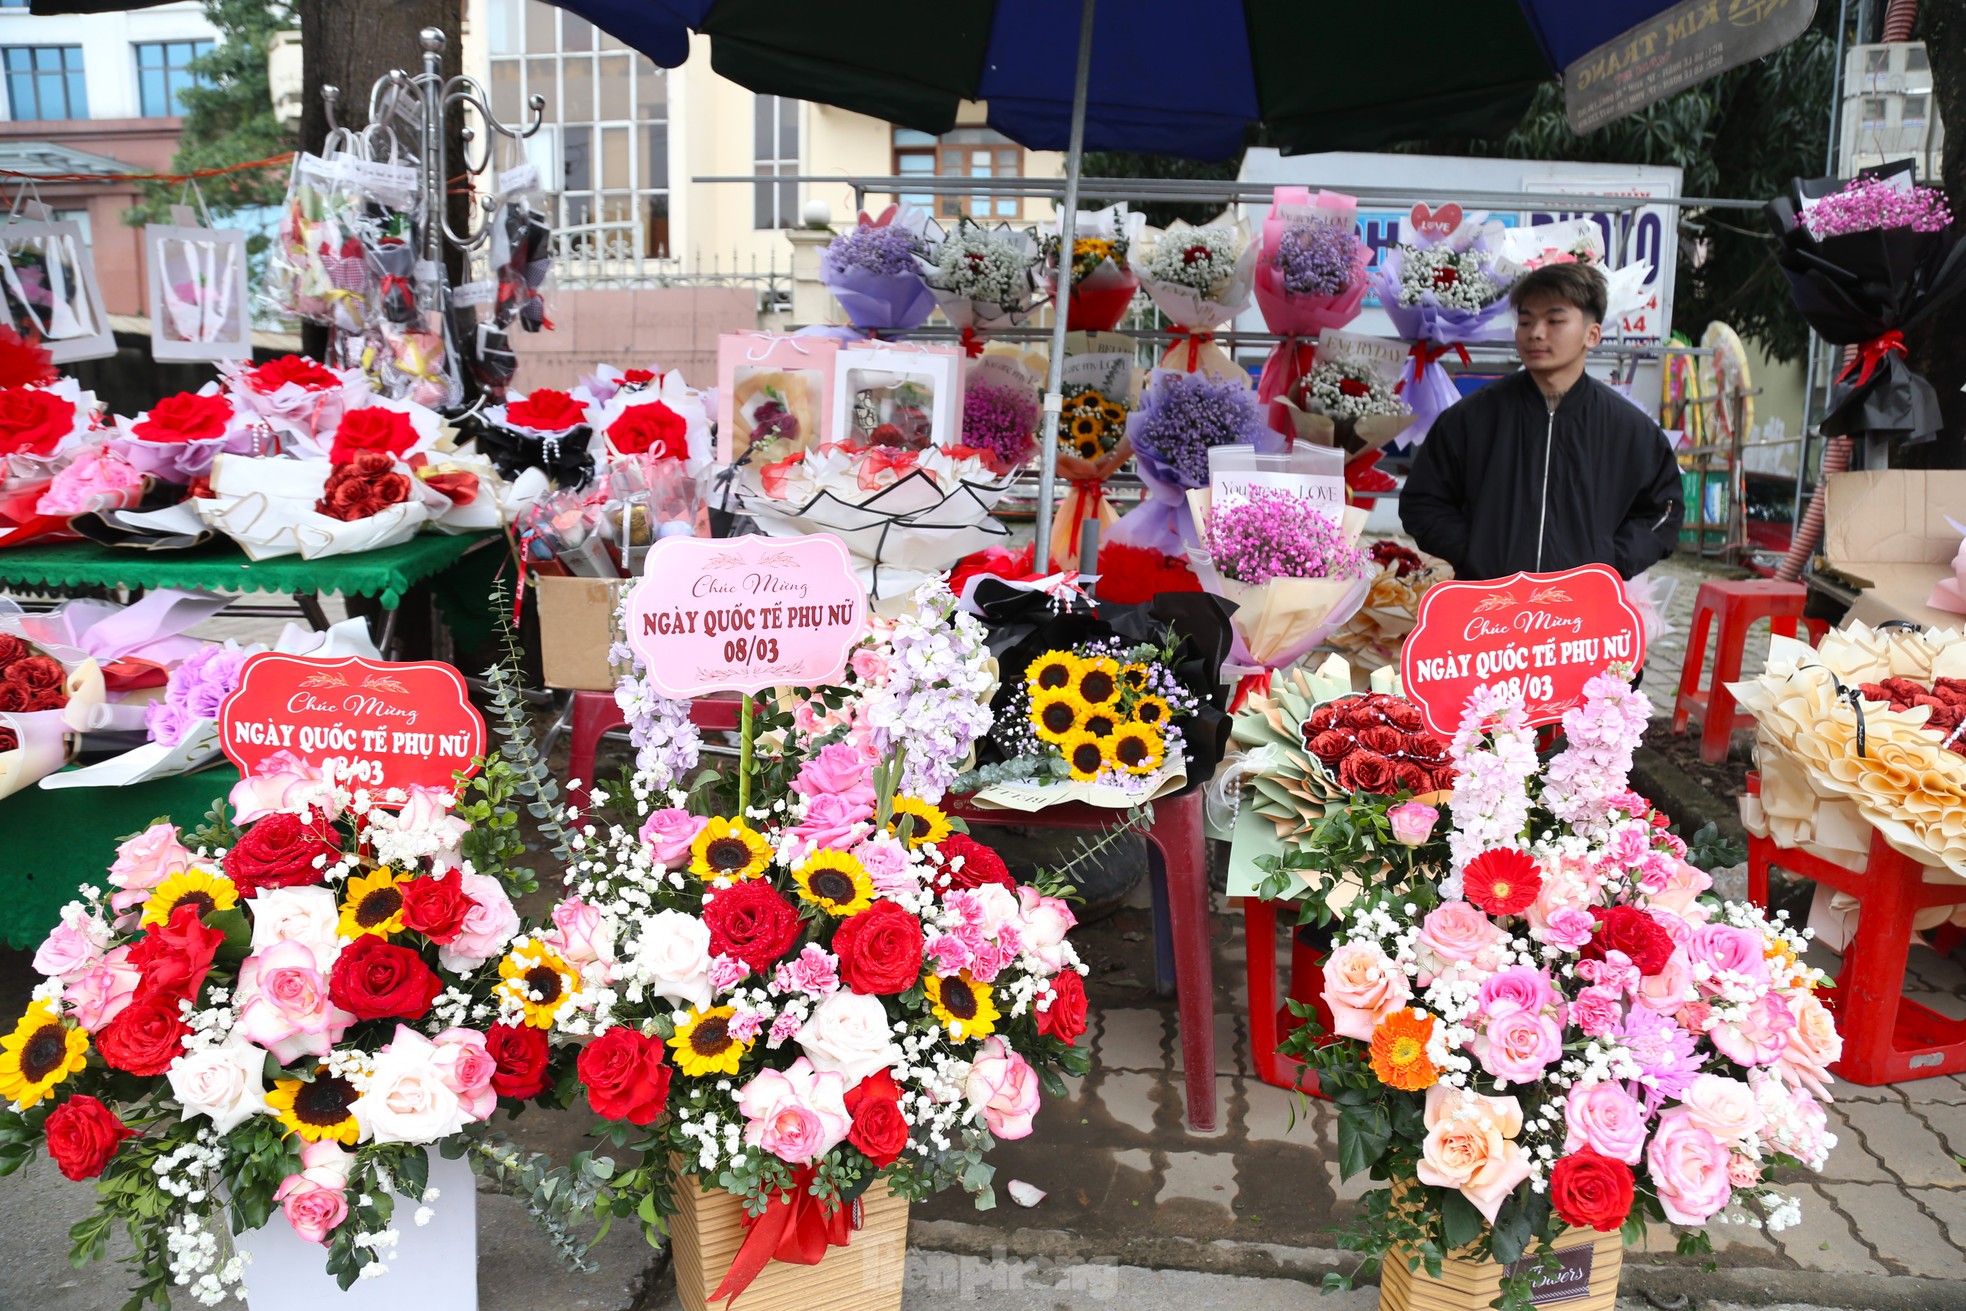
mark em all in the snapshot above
pixel 1399 1051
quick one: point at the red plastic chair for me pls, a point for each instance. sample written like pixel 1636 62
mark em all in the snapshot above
pixel 1733 606
pixel 1270 1022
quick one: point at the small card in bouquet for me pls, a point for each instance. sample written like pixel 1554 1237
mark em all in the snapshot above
pixel 773 393
pixel 904 396
pixel 198 290
pixel 48 286
pixel 1314 473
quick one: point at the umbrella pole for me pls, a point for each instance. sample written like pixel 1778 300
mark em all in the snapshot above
pixel 1054 400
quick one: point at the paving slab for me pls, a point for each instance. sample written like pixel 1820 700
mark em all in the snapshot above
pixel 1905 1235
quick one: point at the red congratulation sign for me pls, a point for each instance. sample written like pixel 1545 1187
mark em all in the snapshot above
pixel 1541 636
pixel 380 725
pixel 745 613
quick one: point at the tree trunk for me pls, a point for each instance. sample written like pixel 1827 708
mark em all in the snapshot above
pixel 350 44
pixel 1938 346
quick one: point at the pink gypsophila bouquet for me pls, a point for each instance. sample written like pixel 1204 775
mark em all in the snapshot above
pixel 1274 534
pixel 1871 204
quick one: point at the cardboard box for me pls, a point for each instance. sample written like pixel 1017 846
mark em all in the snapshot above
pixel 1887 529
pixel 576 628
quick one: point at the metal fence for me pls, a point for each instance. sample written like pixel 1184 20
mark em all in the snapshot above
pixel 609 257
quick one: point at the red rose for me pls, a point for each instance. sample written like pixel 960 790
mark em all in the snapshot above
pixel 13 697
pixel 185 417
pixel 11 649
pixel 637 377
pixel 1591 1191
pixel 880 950
pixel 1443 779
pixel 172 959
pixel 83 1136
pixel 546 410
pixel 375 980
pixel 1065 1019
pixel 1632 931
pixel 625 1076
pixel 1424 747
pixel 435 906
pixel 1360 718
pixel 1332 746
pixel 980 865
pixel 281 852
pixel 1367 771
pixel 879 1129
pixel 8 742
pixel 520 1052
pixel 1413 777
pixel 1386 741
pixel 1323 719
pixel 651 428
pixel 145 1037
pixel 32 421
pixel 37 673
pixel 275 374
pixel 752 922
pixel 375 428
pixel 1405 717
pixel 24 360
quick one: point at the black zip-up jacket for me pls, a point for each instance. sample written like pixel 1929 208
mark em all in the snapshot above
pixel 1501 484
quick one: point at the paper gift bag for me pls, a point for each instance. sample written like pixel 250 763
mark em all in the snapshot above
pixel 198 295
pixel 48 286
pixel 900 394
pixel 774 392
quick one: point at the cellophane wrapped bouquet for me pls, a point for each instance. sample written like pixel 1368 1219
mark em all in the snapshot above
pixel 800 978
pixel 1450 290
pixel 1562 1028
pixel 1310 275
pixel 1102 279
pixel 47 423
pixel 982 277
pixel 1199 277
pixel 271 1018
pixel 874 269
pixel 1181 415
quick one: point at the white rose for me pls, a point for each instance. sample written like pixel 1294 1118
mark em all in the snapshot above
pixel 672 957
pixel 999 905
pixel 306 915
pixel 407 1100
pixel 849 1033
pixel 1724 1107
pixel 224 1083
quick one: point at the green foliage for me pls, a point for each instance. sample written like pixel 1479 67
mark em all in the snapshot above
pixel 1160 213
pixel 493 844
pixel 530 776
pixel 1709 850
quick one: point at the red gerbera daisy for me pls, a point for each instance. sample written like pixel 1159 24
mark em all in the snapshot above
pixel 1504 881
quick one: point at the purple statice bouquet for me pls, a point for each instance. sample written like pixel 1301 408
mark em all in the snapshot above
pixel 1873 204
pixel 876 249
pixel 1319 259
pixel 195 691
pixel 1000 422
pixel 1274 534
pixel 874 270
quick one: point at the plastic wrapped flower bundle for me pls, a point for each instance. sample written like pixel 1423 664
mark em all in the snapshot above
pixel 982 277
pixel 1310 276
pixel 47 425
pixel 874 269
pixel 1199 277
pixel 1181 415
pixel 1349 391
pixel 1103 281
pixel 272 1019
pixel 1104 712
pixel 1874 204
pixel 1001 422
pixel 1565 1030
pixel 302 400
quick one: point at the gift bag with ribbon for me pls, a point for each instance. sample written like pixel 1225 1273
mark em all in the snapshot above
pixel 774 395
pixel 198 290
pixel 48 283
pixel 1310 276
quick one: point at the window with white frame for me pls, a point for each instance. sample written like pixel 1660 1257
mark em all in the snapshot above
pixel 775 153
pixel 605 148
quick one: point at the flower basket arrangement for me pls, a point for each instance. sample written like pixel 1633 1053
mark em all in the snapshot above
pixel 1543 1024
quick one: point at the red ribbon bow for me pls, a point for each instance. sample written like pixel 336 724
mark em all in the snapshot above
pixel 1871 354
pixel 1195 340
pixel 1424 353
pixel 396 282
pixel 796 1227
pixel 972 344
pixel 885 459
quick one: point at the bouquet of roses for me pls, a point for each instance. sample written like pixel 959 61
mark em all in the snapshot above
pixel 302 400
pixel 1563 1030
pixel 546 429
pixel 46 423
pixel 1102 280
pixel 277 1012
pixel 1199 277
pixel 874 269
pixel 177 439
pixel 1448 290
pixel 1371 638
pixel 1181 416
pixel 982 278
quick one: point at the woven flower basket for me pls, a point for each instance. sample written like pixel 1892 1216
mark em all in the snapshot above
pixel 865 1275
pixel 1587 1282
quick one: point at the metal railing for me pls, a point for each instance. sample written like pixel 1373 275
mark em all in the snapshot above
pixel 611 256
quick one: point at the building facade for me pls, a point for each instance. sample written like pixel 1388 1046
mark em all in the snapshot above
pixel 96 96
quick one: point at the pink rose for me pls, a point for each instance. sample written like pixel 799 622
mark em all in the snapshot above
pixel 1689 1168
pixel 315 1200
pixel 1676 928
pixel 1758 1037
pixel 1568 929
pixel 1042 922
pixel 143 862
pixel 1519 1046
pixel 1695 1016
pixel 98 478
pixel 487 927
pixel 1004 1087
pixel 282 782
pixel 1362 986
pixel 1724 1107
pixel 835 821
pixel 840 770
pixel 1678 895
pixel 284 1004
pixel 1605 1118
pixel 73 948
pixel 797 1114
pixel 1743 1172
pixel 1470 1146
pixel 1412 822
pixel 1517 988
pixel 1727 950
pixel 1597 1011
pixel 1456 931
pixel 1812 1046
pixel 668 834
pixel 466 1067
pixel 1669 989
pixel 103 990
pixel 869 665
pixel 581 934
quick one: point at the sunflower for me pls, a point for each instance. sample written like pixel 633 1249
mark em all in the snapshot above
pixel 703 1044
pixel 729 848
pixel 372 903
pixel 535 977
pixel 1136 748
pixel 1153 711
pixel 191 887
pixel 1098 681
pixel 1134 676
pixel 965 1007
pixel 1100 721
pixel 930 826
pixel 835 882
pixel 1051 672
pixel 40 1053
pixel 1399 1051
pixel 1055 715
pixel 1112 411
pixel 1084 754
pixel 317 1111
pixel 1085 428
pixel 1088 448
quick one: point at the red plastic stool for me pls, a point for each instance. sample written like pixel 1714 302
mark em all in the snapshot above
pixel 594 713
pixel 1887 1037
pixel 1270 1022
pixel 1733 606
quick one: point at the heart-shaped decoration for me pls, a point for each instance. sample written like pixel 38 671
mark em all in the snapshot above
pixel 1435 222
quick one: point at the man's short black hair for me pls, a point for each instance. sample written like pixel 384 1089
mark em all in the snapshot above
pixel 1574 284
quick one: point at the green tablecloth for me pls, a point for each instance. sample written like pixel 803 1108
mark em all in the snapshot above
pixel 52 840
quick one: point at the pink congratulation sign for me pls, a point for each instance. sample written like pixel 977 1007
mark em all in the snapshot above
pixel 745 613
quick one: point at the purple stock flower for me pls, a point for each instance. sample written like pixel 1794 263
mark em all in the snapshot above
pixel 1183 414
pixel 196 690
pixel 1318 259
pixel 1274 534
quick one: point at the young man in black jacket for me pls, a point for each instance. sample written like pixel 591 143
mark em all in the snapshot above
pixel 1546 469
